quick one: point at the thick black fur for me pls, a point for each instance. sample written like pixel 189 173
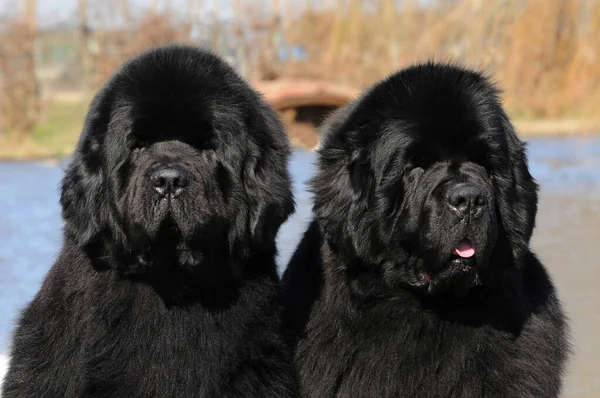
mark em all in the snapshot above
pixel 173 296
pixel 377 300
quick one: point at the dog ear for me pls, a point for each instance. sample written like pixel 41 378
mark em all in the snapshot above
pixel 266 181
pixel 362 180
pixel 344 186
pixel 518 194
pixel 85 207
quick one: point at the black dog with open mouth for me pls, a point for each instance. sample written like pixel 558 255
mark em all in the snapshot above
pixel 450 221
pixel 416 278
pixel 166 284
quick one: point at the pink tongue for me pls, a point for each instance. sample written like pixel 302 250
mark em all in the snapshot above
pixel 465 249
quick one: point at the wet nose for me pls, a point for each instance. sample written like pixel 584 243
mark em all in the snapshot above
pixel 465 199
pixel 169 181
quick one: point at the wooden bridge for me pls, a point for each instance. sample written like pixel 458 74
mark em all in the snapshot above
pixel 303 104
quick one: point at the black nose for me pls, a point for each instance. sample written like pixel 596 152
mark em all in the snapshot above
pixel 465 199
pixel 169 181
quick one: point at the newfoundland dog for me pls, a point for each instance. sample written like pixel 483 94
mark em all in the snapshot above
pixel 166 283
pixel 416 278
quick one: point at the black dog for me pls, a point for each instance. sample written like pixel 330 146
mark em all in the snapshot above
pixel 166 284
pixel 416 278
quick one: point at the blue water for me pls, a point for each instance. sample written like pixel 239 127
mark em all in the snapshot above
pixel 30 223
pixel 564 164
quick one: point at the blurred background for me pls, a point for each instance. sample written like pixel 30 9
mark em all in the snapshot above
pixel 308 57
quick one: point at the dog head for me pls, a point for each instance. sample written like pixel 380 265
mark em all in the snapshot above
pixel 423 181
pixel 179 161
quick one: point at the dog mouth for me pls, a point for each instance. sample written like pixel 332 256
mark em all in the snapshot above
pixel 162 221
pixel 464 249
pixel 169 226
pixel 170 247
pixel 459 272
pixel 169 212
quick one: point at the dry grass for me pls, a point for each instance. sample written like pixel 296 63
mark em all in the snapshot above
pixel 17 147
pixel 544 54
pixel 55 135
pixel 116 46
pixel 19 91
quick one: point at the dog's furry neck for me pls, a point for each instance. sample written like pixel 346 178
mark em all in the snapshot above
pixel 499 302
pixel 215 282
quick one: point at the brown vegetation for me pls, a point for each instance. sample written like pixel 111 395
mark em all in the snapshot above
pixel 116 46
pixel 19 94
pixel 545 54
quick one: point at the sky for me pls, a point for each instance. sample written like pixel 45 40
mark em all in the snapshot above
pixel 52 12
pixel 60 9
